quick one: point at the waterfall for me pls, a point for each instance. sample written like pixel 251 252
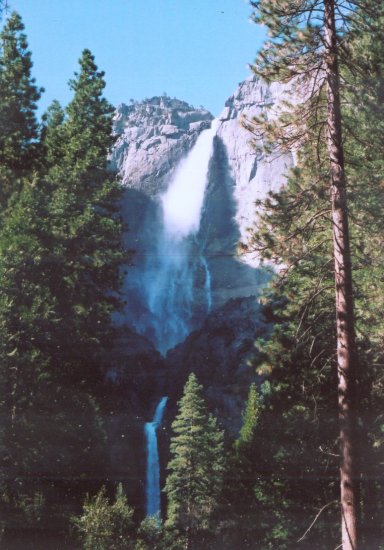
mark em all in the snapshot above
pixel 153 466
pixel 207 284
pixel 168 281
pixel 183 200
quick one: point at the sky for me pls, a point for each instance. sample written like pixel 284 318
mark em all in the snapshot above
pixel 195 50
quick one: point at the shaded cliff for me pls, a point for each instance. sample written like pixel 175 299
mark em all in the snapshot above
pixel 154 136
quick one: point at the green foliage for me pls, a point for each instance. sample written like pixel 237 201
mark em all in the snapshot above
pixel 83 210
pixel 150 534
pixel 294 468
pixel 19 96
pixel 194 482
pixel 60 254
pixel 53 134
pixel 251 417
pixel 106 526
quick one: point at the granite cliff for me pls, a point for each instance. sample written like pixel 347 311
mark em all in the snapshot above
pixel 152 138
pixel 193 298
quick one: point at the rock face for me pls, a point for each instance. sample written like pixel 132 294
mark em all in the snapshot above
pixel 221 354
pixel 253 175
pixel 222 315
pixel 135 375
pixel 153 136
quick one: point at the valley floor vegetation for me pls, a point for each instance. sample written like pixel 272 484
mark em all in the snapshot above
pixel 277 485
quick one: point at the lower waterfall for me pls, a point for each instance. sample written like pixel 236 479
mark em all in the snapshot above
pixel 152 489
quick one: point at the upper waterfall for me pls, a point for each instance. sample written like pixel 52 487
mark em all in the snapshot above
pixel 166 277
pixel 183 200
pixel 170 286
pixel 190 199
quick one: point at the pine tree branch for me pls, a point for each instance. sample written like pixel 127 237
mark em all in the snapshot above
pixel 317 516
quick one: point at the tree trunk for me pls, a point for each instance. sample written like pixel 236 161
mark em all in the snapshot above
pixel 346 348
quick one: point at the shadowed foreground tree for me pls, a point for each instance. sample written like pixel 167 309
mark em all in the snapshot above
pixel 59 267
pixel 305 49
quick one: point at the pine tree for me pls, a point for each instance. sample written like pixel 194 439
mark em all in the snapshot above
pixel 239 513
pixel 19 129
pixel 305 48
pixel 149 534
pixel 59 264
pixel 251 417
pixel 106 526
pixel 51 433
pixel 84 214
pixel 295 231
pixel 196 470
pixel 53 134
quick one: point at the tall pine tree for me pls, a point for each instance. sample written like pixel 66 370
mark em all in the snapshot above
pixel 295 231
pixel 59 265
pixel 194 482
pixel 19 130
pixel 84 214
pixel 305 48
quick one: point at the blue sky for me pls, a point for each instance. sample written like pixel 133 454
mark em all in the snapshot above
pixel 196 50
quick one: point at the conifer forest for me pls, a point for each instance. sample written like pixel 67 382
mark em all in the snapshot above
pixel 172 377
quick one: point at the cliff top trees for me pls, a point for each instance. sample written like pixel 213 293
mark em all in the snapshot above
pixel 196 470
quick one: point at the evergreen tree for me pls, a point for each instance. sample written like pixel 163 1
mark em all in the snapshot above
pixel 59 265
pixel 240 516
pixel 194 482
pixel 84 215
pixel 295 231
pixel 251 417
pixel 150 534
pixel 51 433
pixel 305 48
pixel 19 95
pixel 105 526
pixel 53 134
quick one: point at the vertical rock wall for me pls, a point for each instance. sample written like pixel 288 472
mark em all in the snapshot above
pixel 153 136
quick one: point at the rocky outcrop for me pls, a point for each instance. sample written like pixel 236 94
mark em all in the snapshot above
pixel 238 177
pixel 135 375
pixel 152 137
pixel 223 355
pixel 253 175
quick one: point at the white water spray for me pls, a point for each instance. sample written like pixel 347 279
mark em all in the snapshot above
pixel 183 200
pixel 152 488
pixel 169 280
pixel 207 284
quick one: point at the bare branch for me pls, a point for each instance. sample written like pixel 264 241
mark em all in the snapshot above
pixel 317 515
